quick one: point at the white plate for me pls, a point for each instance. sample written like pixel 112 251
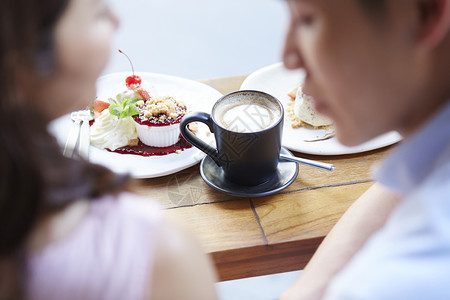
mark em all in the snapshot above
pixel 278 81
pixel 196 96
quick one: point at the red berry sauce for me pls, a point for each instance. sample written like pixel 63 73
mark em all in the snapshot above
pixel 155 121
pixel 144 150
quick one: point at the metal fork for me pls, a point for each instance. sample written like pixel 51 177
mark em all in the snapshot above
pixel 79 130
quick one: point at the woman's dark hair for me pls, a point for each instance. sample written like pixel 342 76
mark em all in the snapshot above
pixel 375 8
pixel 35 178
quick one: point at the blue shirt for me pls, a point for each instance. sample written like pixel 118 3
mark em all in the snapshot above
pixel 409 258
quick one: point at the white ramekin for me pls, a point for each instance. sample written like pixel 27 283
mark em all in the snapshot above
pixel 158 136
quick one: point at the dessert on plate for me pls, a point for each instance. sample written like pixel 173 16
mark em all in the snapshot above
pixel 302 113
pixel 134 119
pixel 135 116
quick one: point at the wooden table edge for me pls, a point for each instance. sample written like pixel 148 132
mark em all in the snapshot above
pixel 265 259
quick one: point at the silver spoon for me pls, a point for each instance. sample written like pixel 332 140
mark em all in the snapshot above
pixel 308 162
pixel 85 136
pixel 79 134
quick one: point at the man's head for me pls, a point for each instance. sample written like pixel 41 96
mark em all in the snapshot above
pixel 372 66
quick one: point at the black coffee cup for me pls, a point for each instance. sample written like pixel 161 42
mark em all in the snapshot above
pixel 248 127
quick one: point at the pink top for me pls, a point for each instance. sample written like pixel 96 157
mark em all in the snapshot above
pixel 108 256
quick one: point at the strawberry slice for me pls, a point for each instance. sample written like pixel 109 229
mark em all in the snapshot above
pixel 100 105
pixel 143 93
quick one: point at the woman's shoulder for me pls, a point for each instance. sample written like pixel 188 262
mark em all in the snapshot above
pixel 115 239
pixel 103 214
pixel 125 205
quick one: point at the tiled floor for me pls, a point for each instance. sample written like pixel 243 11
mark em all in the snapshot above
pixel 200 39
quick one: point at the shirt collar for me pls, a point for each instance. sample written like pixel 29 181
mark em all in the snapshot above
pixel 415 157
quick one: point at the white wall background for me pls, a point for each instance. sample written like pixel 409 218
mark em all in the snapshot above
pixel 198 39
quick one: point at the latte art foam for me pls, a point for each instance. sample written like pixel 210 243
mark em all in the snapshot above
pixel 246 114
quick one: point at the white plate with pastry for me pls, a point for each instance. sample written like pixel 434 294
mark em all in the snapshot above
pixel 279 81
pixel 196 96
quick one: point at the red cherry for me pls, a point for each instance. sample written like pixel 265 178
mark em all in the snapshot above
pixel 133 80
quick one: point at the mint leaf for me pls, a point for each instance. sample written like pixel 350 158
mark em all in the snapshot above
pixel 127 109
pixel 112 101
pixel 133 109
pixel 115 110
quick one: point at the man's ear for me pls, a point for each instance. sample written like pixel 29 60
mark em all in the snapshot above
pixel 434 21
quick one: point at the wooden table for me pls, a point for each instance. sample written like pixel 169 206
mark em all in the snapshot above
pixel 277 233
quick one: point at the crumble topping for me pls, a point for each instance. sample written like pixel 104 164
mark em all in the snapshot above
pixel 161 109
pixel 193 127
pixel 133 142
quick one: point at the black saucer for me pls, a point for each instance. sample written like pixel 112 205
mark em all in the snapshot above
pixel 213 176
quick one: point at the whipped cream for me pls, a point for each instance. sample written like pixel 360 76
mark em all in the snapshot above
pixel 127 94
pixel 110 132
